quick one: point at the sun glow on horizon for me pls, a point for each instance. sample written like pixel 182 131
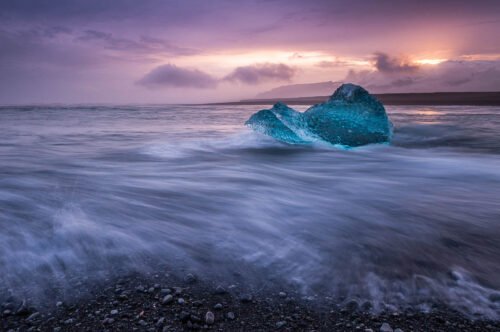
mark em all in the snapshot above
pixel 430 61
pixel 292 58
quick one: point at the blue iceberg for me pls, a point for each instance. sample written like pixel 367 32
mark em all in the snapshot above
pixel 350 117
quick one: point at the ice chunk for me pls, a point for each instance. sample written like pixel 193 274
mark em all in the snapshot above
pixel 350 117
pixel 280 122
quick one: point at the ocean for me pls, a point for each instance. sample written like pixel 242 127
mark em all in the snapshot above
pixel 89 193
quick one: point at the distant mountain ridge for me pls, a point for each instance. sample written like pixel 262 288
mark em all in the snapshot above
pixel 300 90
pixel 491 98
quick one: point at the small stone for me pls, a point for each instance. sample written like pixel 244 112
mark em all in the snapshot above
pixel 165 329
pixel 59 304
pixel 368 330
pixel 386 328
pixel 280 324
pixel 142 323
pixel 7 312
pixel 114 312
pixel 230 315
pixel 57 329
pixel 167 299
pixel 33 316
pixel 165 291
pixel 160 321
pixel 151 290
pixel 108 321
pixel 157 286
pixel 181 301
pixel 7 305
pixel 282 294
pixel 220 290
pixel 398 330
pixel 69 321
pixel 209 318
pixel 218 306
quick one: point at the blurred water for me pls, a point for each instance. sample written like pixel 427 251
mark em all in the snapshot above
pixel 95 191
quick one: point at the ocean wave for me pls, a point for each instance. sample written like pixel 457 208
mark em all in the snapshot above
pixel 392 225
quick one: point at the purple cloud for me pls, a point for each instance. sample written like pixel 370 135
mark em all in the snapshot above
pixel 452 75
pixel 386 64
pixel 143 45
pixel 258 73
pixel 177 77
pixel 332 64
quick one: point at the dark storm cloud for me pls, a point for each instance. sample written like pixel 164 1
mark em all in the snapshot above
pixel 451 75
pixel 277 21
pixel 386 64
pixel 143 45
pixel 173 76
pixel 463 75
pixel 258 73
pixel 62 47
pixel 353 26
pixel 43 46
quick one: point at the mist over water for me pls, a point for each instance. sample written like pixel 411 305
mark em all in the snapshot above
pixel 93 192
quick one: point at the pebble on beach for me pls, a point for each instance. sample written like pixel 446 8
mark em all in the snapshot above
pixel 209 318
pixel 386 328
pixel 167 299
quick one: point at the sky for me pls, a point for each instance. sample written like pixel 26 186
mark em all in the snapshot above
pixel 191 51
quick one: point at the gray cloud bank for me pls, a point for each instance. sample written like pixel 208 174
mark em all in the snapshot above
pixel 452 75
pixel 255 74
pixel 173 76
pixel 386 64
pixel 144 44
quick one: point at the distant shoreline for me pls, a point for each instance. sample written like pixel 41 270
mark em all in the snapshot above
pixel 434 98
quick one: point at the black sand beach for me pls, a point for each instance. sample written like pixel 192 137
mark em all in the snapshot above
pixel 161 302
pixel 435 98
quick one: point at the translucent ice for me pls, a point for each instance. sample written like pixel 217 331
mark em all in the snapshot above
pixel 280 122
pixel 350 117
